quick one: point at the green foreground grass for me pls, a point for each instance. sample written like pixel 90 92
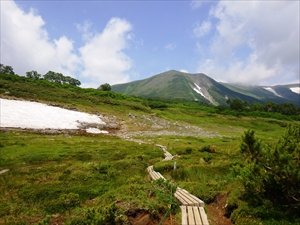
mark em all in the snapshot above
pixel 73 179
pixel 65 175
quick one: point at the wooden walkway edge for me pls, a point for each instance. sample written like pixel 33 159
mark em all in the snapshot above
pixel 192 208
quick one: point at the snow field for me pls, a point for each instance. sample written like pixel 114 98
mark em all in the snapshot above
pixel 34 115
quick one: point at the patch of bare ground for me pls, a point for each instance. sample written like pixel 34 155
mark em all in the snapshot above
pixel 154 126
pixel 56 220
pixel 216 211
pixel 144 217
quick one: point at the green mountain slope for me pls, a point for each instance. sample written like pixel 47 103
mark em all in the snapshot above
pixel 184 86
pixel 278 93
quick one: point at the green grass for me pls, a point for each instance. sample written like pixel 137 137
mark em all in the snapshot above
pixel 100 169
pixel 74 177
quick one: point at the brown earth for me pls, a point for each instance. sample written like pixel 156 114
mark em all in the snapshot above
pixel 144 217
pixel 216 211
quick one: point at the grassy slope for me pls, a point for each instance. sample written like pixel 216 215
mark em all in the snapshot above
pixel 104 170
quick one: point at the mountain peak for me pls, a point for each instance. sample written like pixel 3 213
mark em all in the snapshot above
pixel 179 85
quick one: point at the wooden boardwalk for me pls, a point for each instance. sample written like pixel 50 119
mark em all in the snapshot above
pixel 187 199
pixel 192 208
pixel 168 155
pixel 193 215
pixel 154 175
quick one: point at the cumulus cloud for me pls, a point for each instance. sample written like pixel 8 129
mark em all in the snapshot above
pixel 102 55
pixel 255 41
pixel 170 46
pixel 202 29
pixel 26 46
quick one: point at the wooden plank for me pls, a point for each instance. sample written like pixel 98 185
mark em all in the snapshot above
pixel 199 201
pixel 161 176
pixel 183 215
pixel 191 215
pixel 203 216
pixel 188 197
pixel 197 215
pixel 155 175
pixel 196 201
pixel 150 169
pixel 152 176
pixel 183 198
pixel 158 175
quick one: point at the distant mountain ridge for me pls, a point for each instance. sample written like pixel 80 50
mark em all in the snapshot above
pixel 200 87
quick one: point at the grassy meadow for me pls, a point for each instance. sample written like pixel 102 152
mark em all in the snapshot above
pixel 75 178
pixel 64 175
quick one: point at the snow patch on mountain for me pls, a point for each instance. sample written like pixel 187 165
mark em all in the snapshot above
pixel 198 90
pixel 295 89
pixel 272 90
pixel 34 115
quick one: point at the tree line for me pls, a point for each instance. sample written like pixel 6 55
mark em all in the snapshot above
pixel 244 106
pixel 50 76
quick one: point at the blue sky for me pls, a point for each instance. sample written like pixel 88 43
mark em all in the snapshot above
pixel 249 42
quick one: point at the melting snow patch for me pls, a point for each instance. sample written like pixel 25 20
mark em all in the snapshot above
pixel 96 131
pixel 295 89
pixel 273 91
pixel 198 90
pixel 33 115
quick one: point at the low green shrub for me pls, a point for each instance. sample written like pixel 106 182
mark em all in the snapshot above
pixel 207 157
pixel 164 166
pixel 188 150
pixel 65 202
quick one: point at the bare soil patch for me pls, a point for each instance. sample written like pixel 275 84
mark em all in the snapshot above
pixel 144 217
pixel 216 211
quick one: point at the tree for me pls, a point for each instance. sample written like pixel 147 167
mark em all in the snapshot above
pixel 72 81
pixel 50 76
pixel 33 74
pixel 270 106
pixel 272 173
pixel 105 87
pixel 287 109
pixel 255 106
pixel 236 104
pixel 61 79
pixel 6 69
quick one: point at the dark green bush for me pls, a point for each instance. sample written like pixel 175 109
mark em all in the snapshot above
pixel 207 157
pixel 188 150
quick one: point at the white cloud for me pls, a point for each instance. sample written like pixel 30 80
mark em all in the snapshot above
pixel 195 4
pixel 246 72
pixel 102 55
pixel 255 41
pixel 202 29
pixel 85 28
pixel 170 46
pixel 26 46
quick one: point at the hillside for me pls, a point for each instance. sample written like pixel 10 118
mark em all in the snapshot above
pixel 61 176
pixel 184 86
pixel 278 93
